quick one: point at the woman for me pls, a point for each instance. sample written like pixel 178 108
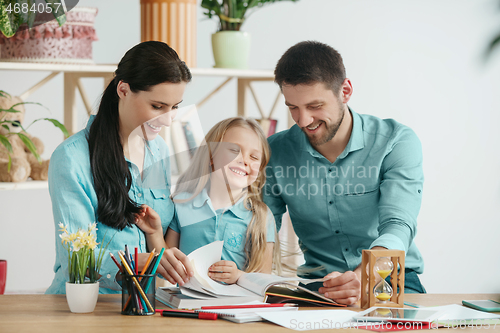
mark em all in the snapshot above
pixel 105 172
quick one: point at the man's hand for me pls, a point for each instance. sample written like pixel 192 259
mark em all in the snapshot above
pixel 224 271
pixel 343 288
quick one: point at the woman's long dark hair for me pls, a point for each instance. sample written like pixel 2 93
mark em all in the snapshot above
pixel 142 67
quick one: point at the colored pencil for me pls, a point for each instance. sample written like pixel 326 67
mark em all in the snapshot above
pixel 129 271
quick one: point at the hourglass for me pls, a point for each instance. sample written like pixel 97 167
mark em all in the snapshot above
pixel 381 264
pixel 383 267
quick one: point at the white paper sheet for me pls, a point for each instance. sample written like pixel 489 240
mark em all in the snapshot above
pixel 201 259
pixel 455 312
pixel 311 319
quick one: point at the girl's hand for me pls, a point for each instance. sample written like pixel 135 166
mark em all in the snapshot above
pixel 175 266
pixel 148 221
pixel 224 271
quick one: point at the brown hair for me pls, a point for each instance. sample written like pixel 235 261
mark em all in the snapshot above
pixel 309 62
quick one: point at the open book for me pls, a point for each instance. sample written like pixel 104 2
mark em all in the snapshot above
pixel 249 284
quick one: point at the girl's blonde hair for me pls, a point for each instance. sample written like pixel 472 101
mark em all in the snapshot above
pixel 197 176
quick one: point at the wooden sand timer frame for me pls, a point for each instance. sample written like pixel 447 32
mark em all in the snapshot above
pixel 369 257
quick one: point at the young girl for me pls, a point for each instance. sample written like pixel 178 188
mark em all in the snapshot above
pixel 100 174
pixel 219 198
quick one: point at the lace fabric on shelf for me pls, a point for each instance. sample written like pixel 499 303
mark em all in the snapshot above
pixel 48 42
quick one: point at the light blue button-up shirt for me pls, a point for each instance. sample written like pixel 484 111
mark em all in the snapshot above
pixel 74 203
pixel 370 196
pixel 199 224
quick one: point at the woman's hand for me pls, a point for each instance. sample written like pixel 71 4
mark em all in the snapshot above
pixel 224 271
pixel 175 266
pixel 148 221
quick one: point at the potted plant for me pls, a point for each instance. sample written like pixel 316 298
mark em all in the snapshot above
pixel 82 288
pixel 15 13
pixel 230 45
pixel 14 139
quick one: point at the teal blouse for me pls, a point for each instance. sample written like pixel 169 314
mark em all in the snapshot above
pixel 74 203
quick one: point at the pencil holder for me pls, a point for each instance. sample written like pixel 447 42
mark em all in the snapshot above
pixel 138 294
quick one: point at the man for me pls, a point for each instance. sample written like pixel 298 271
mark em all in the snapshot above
pixel 350 181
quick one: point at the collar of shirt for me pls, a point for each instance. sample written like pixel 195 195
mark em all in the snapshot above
pixel 356 141
pixel 238 209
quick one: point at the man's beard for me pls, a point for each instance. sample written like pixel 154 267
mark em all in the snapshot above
pixel 331 130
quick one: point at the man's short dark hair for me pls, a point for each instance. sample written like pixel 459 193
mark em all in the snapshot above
pixel 310 62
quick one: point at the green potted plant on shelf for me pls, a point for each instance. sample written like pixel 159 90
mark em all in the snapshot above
pixel 19 151
pixel 230 45
pixel 15 13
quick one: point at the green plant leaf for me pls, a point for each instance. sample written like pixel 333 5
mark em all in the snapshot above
pixel 232 13
pixel 4 93
pixel 14 122
pixel 34 103
pixel 6 127
pixel 31 14
pixel 493 45
pixel 6 143
pixel 73 269
pixel 30 145
pixel 57 10
pixel 22 14
pixel 56 123
pixel 9 20
pixel 9 110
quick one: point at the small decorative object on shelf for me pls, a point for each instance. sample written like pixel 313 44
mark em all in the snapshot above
pixel 172 22
pixel 20 15
pixel 19 151
pixel 83 267
pixel 231 46
pixel 49 42
pixel 379 264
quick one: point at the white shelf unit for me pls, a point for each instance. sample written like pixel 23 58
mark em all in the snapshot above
pixel 73 73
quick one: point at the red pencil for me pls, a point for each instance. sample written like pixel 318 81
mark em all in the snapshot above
pixel 116 262
pixel 248 306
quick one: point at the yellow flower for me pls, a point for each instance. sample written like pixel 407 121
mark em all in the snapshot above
pixel 64 238
pixel 77 245
pixel 92 227
pixel 63 228
pixel 92 244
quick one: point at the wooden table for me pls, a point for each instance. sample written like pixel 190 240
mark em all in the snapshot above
pixel 50 313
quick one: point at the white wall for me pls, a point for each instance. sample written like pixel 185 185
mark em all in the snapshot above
pixel 419 62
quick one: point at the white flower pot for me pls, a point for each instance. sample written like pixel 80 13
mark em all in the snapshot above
pixel 231 49
pixel 82 298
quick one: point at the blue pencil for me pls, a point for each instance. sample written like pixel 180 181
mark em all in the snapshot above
pixel 153 272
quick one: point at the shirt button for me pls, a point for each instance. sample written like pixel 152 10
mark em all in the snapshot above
pixel 142 242
pixel 346 250
pixel 108 276
pixel 330 202
pixel 336 231
pixel 139 195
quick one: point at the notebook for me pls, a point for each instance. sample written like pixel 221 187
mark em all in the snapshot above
pixel 246 315
pixel 173 298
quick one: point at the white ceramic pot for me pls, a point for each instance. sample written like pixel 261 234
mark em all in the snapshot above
pixel 82 298
pixel 231 49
